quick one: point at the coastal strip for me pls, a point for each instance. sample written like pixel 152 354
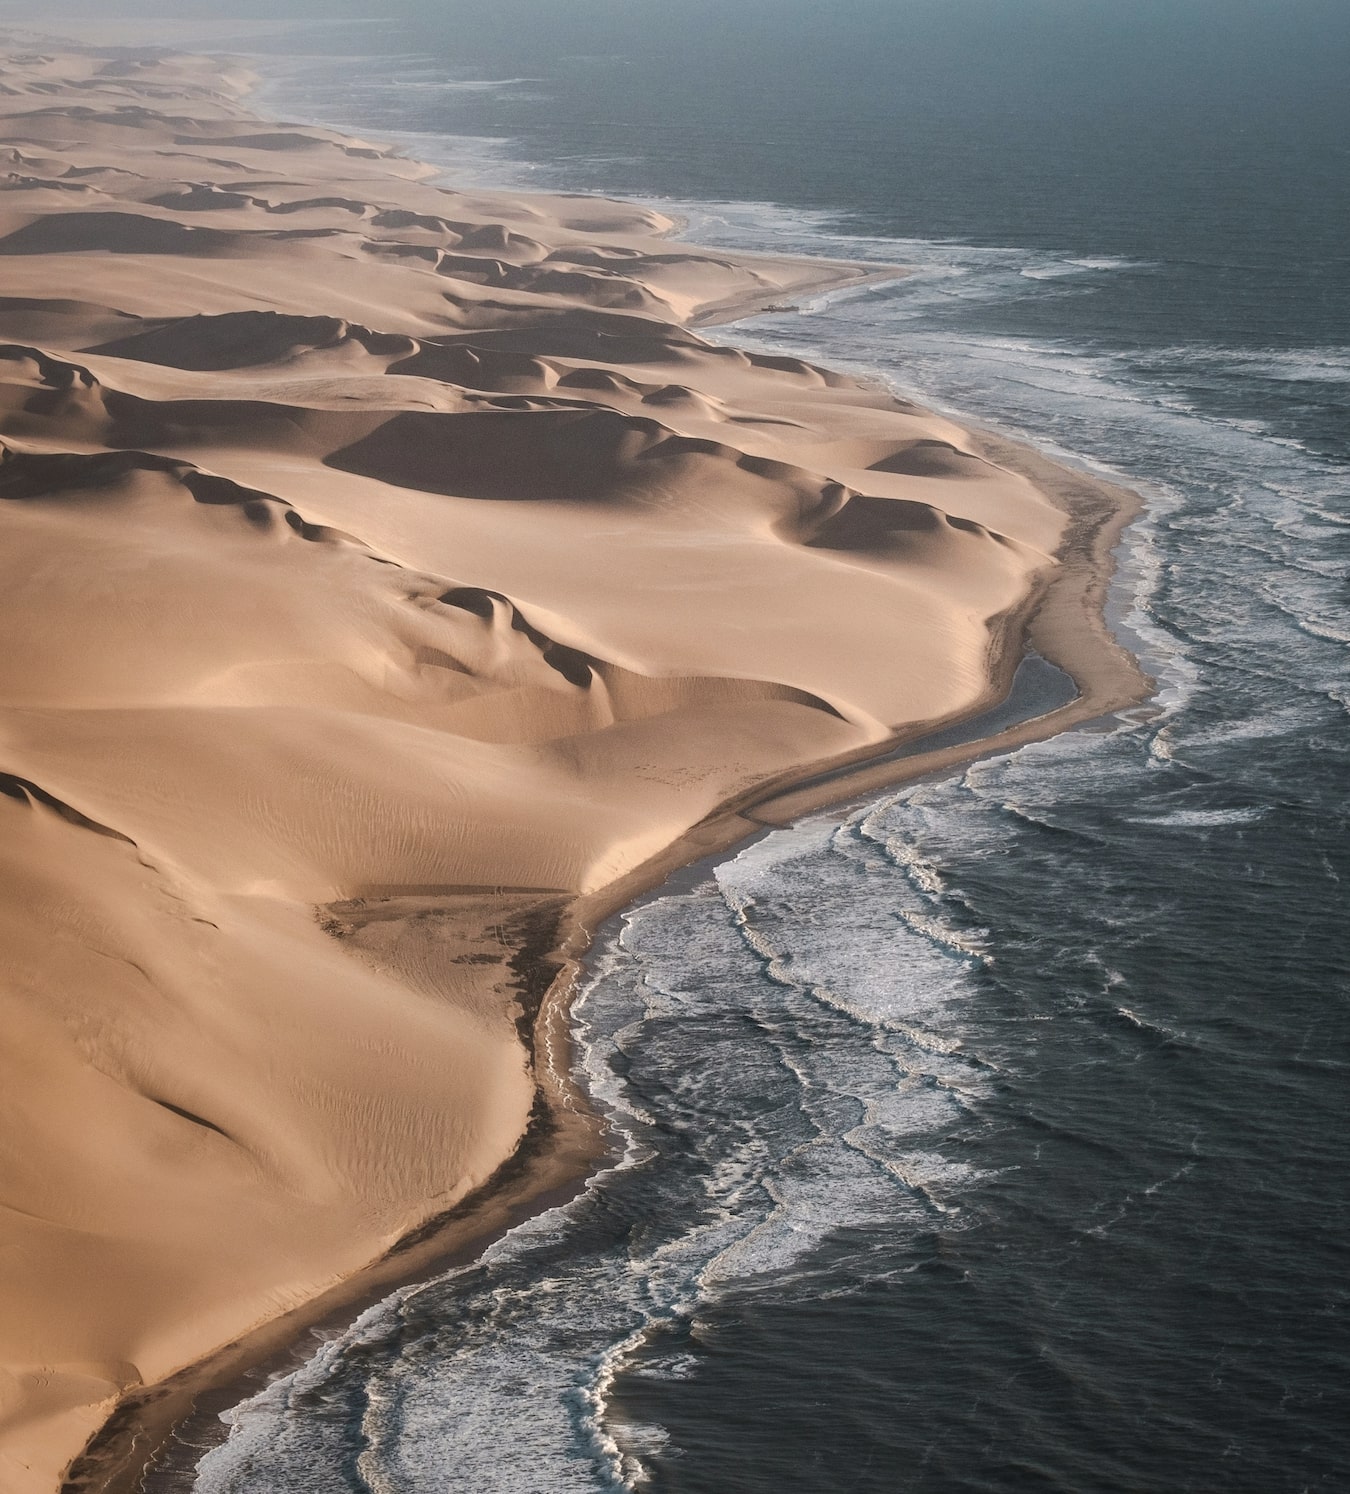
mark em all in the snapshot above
pixel 396 585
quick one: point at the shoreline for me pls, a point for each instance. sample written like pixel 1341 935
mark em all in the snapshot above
pixel 117 1460
pixel 184 1414
pixel 1062 617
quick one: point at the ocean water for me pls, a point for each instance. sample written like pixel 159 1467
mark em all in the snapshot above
pixel 989 1136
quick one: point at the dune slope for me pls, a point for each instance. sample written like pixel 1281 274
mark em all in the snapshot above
pixel 382 567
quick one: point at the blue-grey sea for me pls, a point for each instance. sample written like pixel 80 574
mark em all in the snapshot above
pixel 990 1136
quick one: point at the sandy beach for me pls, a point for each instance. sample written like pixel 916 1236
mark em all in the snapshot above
pixel 397 583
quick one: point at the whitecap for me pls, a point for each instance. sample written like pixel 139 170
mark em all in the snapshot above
pixel 1199 818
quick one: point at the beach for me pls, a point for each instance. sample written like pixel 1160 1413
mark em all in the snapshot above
pixel 398 584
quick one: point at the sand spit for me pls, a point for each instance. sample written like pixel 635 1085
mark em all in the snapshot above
pixel 394 583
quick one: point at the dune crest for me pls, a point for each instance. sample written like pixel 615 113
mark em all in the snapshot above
pixel 386 570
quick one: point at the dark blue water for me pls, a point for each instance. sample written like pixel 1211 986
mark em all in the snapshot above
pixel 991 1137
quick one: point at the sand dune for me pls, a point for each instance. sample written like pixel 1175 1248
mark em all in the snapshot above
pixel 385 569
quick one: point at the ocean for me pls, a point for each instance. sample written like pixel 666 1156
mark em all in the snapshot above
pixel 990 1135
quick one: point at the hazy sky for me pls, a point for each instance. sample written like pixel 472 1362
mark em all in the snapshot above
pixel 1220 16
pixel 1019 51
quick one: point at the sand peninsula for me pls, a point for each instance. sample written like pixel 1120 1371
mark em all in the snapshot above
pixel 394 585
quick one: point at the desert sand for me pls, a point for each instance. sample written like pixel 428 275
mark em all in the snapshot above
pixel 393 582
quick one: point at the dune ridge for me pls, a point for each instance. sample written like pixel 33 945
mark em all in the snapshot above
pixel 395 580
